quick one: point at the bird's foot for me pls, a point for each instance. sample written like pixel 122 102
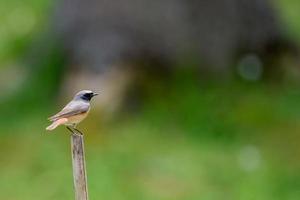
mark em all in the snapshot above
pixel 70 130
pixel 74 131
pixel 78 131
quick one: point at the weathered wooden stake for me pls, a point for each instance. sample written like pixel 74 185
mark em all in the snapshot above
pixel 79 171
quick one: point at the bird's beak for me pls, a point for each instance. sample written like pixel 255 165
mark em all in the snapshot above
pixel 95 94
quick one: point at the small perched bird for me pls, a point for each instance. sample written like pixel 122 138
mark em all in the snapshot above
pixel 74 112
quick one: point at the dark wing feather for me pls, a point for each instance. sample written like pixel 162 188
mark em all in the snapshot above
pixel 71 109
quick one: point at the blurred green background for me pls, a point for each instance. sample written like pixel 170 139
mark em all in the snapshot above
pixel 190 141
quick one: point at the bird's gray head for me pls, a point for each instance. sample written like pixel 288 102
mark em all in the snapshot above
pixel 85 95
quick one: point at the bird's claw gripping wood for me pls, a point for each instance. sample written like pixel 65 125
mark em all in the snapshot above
pixel 74 131
pixel 78 131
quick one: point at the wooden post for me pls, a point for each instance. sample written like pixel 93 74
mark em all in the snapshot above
pixel 79 171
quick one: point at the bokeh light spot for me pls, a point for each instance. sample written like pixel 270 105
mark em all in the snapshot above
pixel 249 158
pixel 250 68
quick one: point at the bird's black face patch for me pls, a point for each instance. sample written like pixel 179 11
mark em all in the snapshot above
pixel 87 96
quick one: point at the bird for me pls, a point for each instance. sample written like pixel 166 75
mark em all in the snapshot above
pixel 74 112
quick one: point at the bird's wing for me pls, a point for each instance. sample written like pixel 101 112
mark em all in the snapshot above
pixel 72 108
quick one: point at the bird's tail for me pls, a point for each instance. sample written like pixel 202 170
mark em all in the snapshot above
pixel 56 124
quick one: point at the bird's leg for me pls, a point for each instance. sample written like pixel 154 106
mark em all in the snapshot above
pixel 78 131
pixel 73 130
pixel 70 129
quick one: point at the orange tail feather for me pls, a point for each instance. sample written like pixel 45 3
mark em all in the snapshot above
pixel 56 124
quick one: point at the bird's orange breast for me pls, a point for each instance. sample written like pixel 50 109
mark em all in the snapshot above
pixel 75 119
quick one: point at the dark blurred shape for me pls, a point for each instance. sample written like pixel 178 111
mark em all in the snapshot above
pixel 99 33
pixel 153 36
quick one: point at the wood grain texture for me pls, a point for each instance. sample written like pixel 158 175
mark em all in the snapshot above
pixel 79 171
